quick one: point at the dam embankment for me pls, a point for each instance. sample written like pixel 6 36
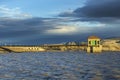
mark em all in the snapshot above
pixel 106 46
pixel 52 48
pixel 18 49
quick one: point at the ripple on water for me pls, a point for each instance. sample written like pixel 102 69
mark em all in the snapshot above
pixel 60 66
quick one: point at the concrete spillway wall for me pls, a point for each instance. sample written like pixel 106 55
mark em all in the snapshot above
pixel 22 49
pixel 40 49
pixel 65 48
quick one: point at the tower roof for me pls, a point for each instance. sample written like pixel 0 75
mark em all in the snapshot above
pixel 93 37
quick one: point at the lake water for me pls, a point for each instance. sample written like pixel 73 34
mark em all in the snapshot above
pixel 60 66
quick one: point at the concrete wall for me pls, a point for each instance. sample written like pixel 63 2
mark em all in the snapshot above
pixel 94 49
pixel 24 49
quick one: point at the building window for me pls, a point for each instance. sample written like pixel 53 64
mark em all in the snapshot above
pixel 95 42
pixel 89 42
pixel 98 42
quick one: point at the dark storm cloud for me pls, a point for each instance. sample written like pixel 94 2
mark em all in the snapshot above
pixel 33 25
pixel 14 27
pixel 30 31
pixel 96 10
pixel 67 14
pixel 24 29
pixel 16 23
pixel 100 8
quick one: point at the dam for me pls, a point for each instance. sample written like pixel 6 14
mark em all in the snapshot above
pixel 18 49
pixel 93 45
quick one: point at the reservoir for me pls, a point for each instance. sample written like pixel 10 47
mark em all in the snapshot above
pixel 60 66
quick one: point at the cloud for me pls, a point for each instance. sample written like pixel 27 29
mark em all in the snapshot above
pixel 50 30
pixel 96 10
pixel 67 13
pixel 13 13
pixel 99 9
pixel 76 28
pixel 62 30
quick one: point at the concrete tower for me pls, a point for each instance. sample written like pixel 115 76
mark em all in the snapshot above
pixel 94 45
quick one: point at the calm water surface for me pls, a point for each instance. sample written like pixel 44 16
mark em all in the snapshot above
pixel 60 66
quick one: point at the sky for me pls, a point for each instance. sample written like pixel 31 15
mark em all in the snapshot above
pixel 57 21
